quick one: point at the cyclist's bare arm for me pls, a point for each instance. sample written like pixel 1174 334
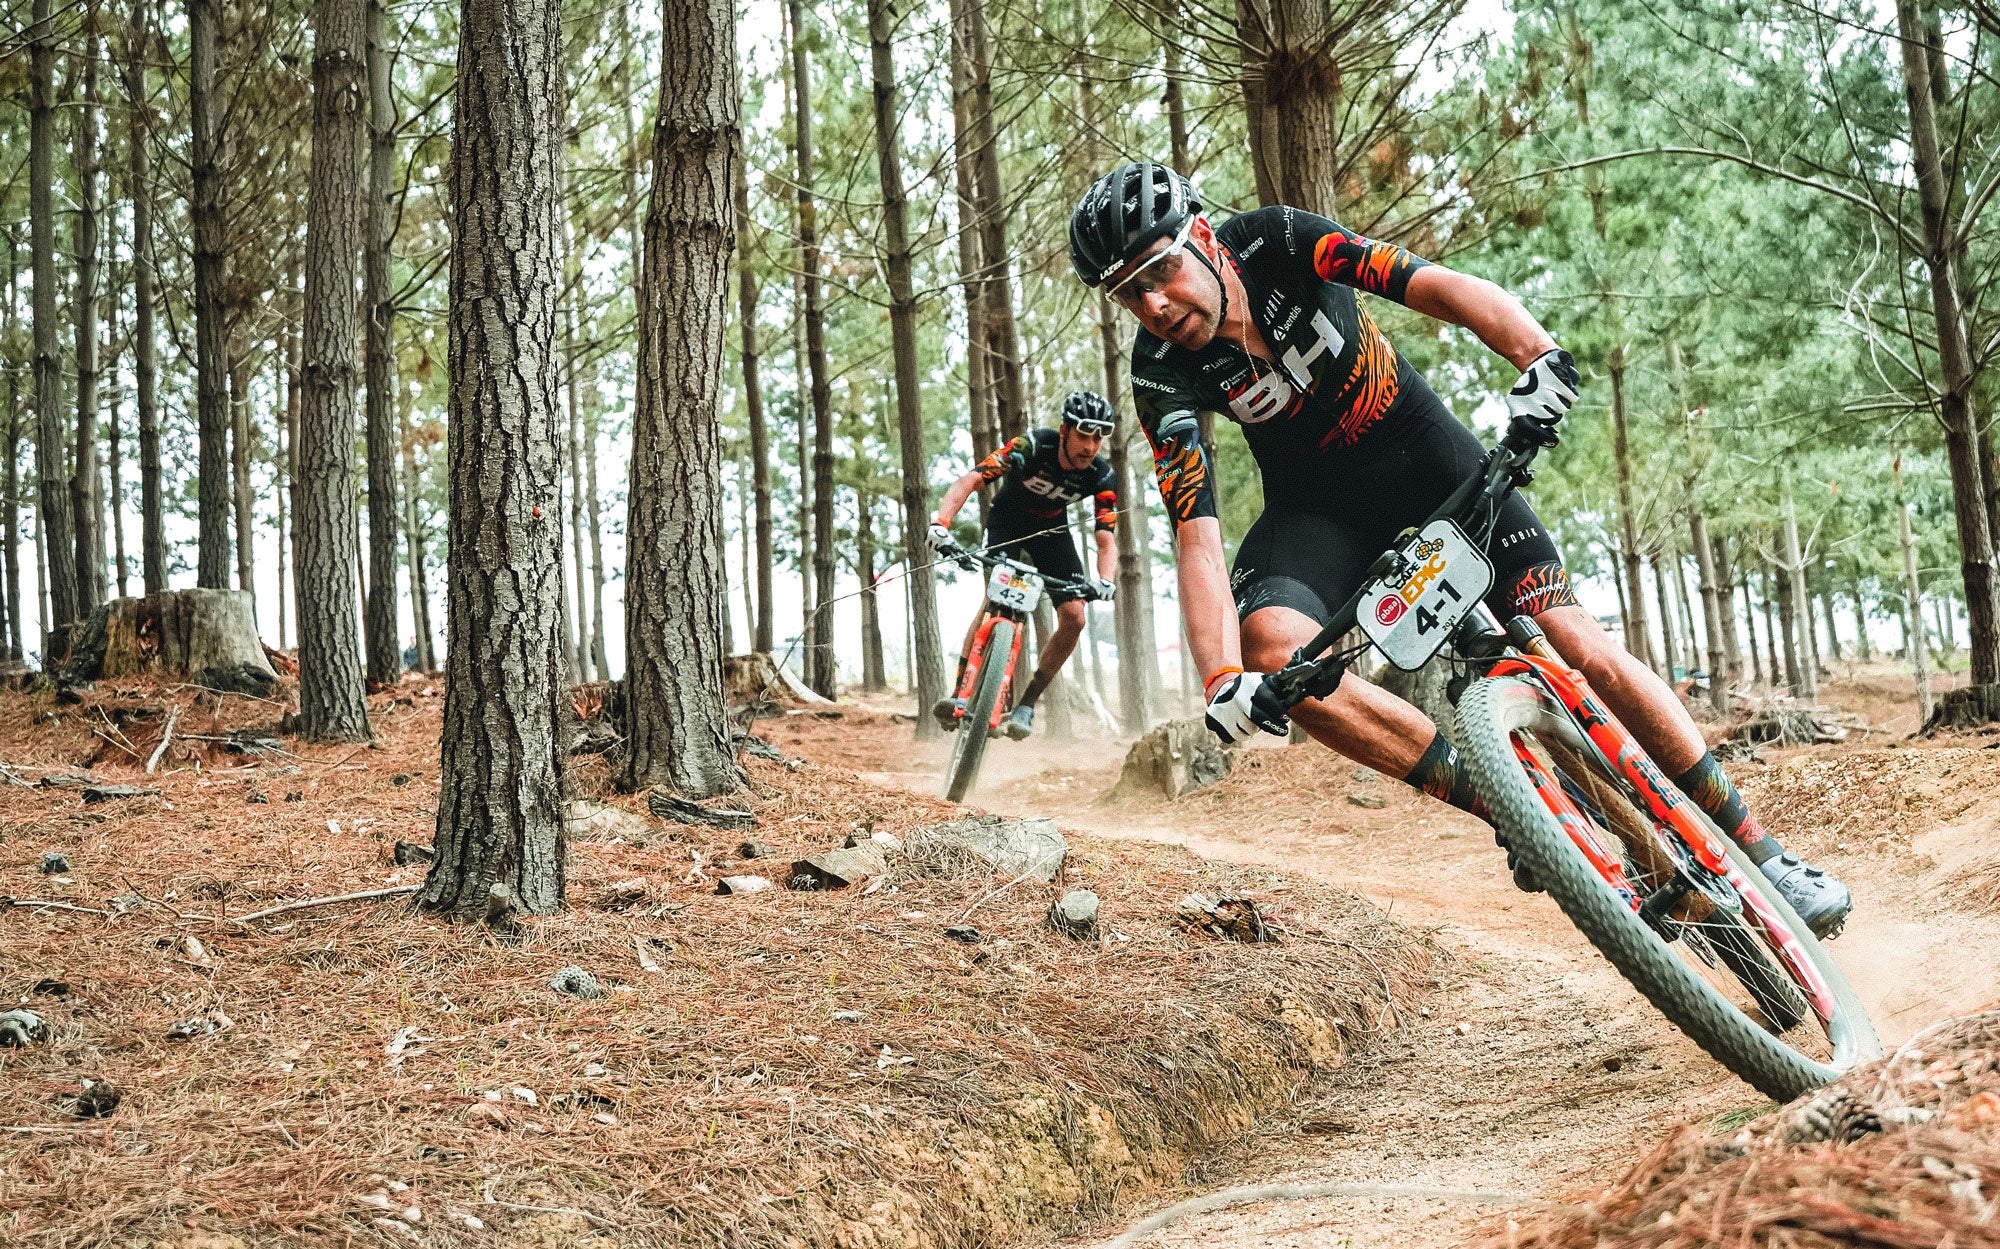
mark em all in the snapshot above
pixel 1208 607
pixel 1499 320
pixel 957 494
pixel 1107 555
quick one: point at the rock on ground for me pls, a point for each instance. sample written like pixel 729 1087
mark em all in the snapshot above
pixel 1175 758
pixel 1032 848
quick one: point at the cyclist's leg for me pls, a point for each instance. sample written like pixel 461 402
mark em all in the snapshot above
pixel 1360 720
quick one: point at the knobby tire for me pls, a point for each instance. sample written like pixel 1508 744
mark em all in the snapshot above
pixel 975 728
pixel 1489 715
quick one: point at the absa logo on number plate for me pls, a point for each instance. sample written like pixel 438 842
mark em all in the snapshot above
pixel 1389 609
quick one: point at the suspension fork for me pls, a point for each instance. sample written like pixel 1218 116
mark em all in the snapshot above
pixel 976 658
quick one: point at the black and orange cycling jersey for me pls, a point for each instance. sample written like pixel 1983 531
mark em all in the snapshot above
pixel 1350 441
pixel 1333 375
pixel 1035 485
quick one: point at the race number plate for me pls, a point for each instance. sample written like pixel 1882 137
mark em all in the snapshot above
pixel 1409 615
pixel 1010 587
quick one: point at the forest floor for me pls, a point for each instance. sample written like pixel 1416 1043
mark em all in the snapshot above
pixel 768 1069
pixel 1534 1070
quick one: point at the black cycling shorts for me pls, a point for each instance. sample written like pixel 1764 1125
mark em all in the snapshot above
pixel 1053 554
pixel 1312 560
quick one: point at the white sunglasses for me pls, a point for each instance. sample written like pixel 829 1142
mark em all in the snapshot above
pixel 1138 284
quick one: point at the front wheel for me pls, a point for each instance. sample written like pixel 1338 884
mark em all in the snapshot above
pixel 1729 963
pixel 974 729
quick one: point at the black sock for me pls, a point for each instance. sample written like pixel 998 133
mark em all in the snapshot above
pixel 1441 774
pixel 1036 684
pixel 1713 793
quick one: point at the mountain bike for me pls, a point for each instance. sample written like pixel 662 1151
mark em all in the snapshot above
pixel 1662 893
pixel 1012 591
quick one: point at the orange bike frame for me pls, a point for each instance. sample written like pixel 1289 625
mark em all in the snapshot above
pixel 1665 802
pixel 978 661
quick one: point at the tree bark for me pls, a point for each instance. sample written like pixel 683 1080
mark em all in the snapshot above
pixel 1750 623
pixel 500 815
pixel 1289 70
pixel 1832 632
pixel 10 525
pixel 114 447
pixel 1711 612
pixel 56 530
pixel 415 541
pixel 1173 97
pixel 1725 585
pixel 819 646
pixel 1669 650
pixel 1788 620
pixel 753 398
pixel 874 675
pixel 1955 363
pixel 152 521
pixel 384 641
pixel 1128 610
pixel 909 399
pixel 1862 645
pixel 1913 603
pixel 676 724
pixel 86 497
pixel 331 702
pixel 1002 336
pixel 1797 607
pixel 576 624
pixel 240 437
pixel 1637 639
pixel 593 516
pixel 212 487
pixel 971 266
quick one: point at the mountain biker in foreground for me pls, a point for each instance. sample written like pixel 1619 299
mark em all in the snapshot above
pixel 1041 473
pixel 1257 320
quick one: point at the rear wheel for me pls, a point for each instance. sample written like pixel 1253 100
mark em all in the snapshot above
pixel 1700 953
pixel 974 729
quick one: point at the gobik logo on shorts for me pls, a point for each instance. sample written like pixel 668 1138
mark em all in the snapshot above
pixel 1389 610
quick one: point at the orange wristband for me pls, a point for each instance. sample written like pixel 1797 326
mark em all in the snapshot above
pixel 1217 675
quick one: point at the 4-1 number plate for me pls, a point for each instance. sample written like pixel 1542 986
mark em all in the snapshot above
pixel 1409 615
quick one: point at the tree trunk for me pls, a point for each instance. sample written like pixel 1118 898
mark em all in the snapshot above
pixel 1798 604
pixel 152 522
pixel 1669 647
pixel 1862 645
pixel 1686 603
pixel 241 503
pixel 1725 584
pixel 414 543
pixel 1173 98
pixel 331 703
pixel 1832 632
pixel 874 677
pixel 593 516
pixel 212 488
pixel 1772 651
pixel 1002 337
pixel 114 465
pixel 500 805
pixel 56 530
pixel 1788 611
pixel 384 640
pixel 11 524
pixel 1750 621
pixel 295 379
pixel 1913 614
pixel 1288 65
pixel 1134 575
pixel 1261 117
pixel 1637 639
pixel 753 398
pixel 576 619
pixel 971 265
pixel 1711 612
pixel 676 724
pixel 281 465
pixel 1941 226
pixel 819 645
pixel 1617 562
pixel 86 497
pixel 909 399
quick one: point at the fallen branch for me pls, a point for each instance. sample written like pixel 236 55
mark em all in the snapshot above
pixel 309 903
pixel 165 738
pixel 486 1191
pixel 45 904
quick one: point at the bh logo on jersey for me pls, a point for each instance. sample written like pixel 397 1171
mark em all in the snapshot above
pixel 1053 489
pixel 1275 393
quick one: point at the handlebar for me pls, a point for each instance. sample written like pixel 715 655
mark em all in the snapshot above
pixel 967 558
pixel 1314 674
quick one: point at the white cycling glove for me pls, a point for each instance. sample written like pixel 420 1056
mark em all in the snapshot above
pixel 1544 393
pixel 1241 706
pixel 939 536
pixel 1101 590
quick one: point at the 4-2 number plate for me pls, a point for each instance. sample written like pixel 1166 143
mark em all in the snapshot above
pixel 1409 615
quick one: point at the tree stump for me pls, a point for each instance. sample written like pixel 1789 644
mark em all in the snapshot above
pixel 756 680
pixel 1176 758
pixel 210 636
pixel 1974 706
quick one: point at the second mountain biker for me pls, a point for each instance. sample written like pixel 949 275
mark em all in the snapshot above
pixel 1041 473
pixel 1258 320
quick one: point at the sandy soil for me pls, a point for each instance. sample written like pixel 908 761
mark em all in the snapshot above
pixel 1534 1069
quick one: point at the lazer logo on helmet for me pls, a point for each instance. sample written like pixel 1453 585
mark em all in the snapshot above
pixel 1278 391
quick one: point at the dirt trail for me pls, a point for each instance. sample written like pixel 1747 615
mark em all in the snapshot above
pixel 1535 1069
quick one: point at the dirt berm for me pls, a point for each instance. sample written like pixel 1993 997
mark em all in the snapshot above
pixel 771 1069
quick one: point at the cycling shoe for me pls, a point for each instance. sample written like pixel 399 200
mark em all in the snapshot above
pixel 1821 901
pixel 948 712
pixel 1018 725
pixel 1524 880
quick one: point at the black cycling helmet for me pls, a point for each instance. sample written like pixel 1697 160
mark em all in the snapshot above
pixel 1090 413
pixel 1123 213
